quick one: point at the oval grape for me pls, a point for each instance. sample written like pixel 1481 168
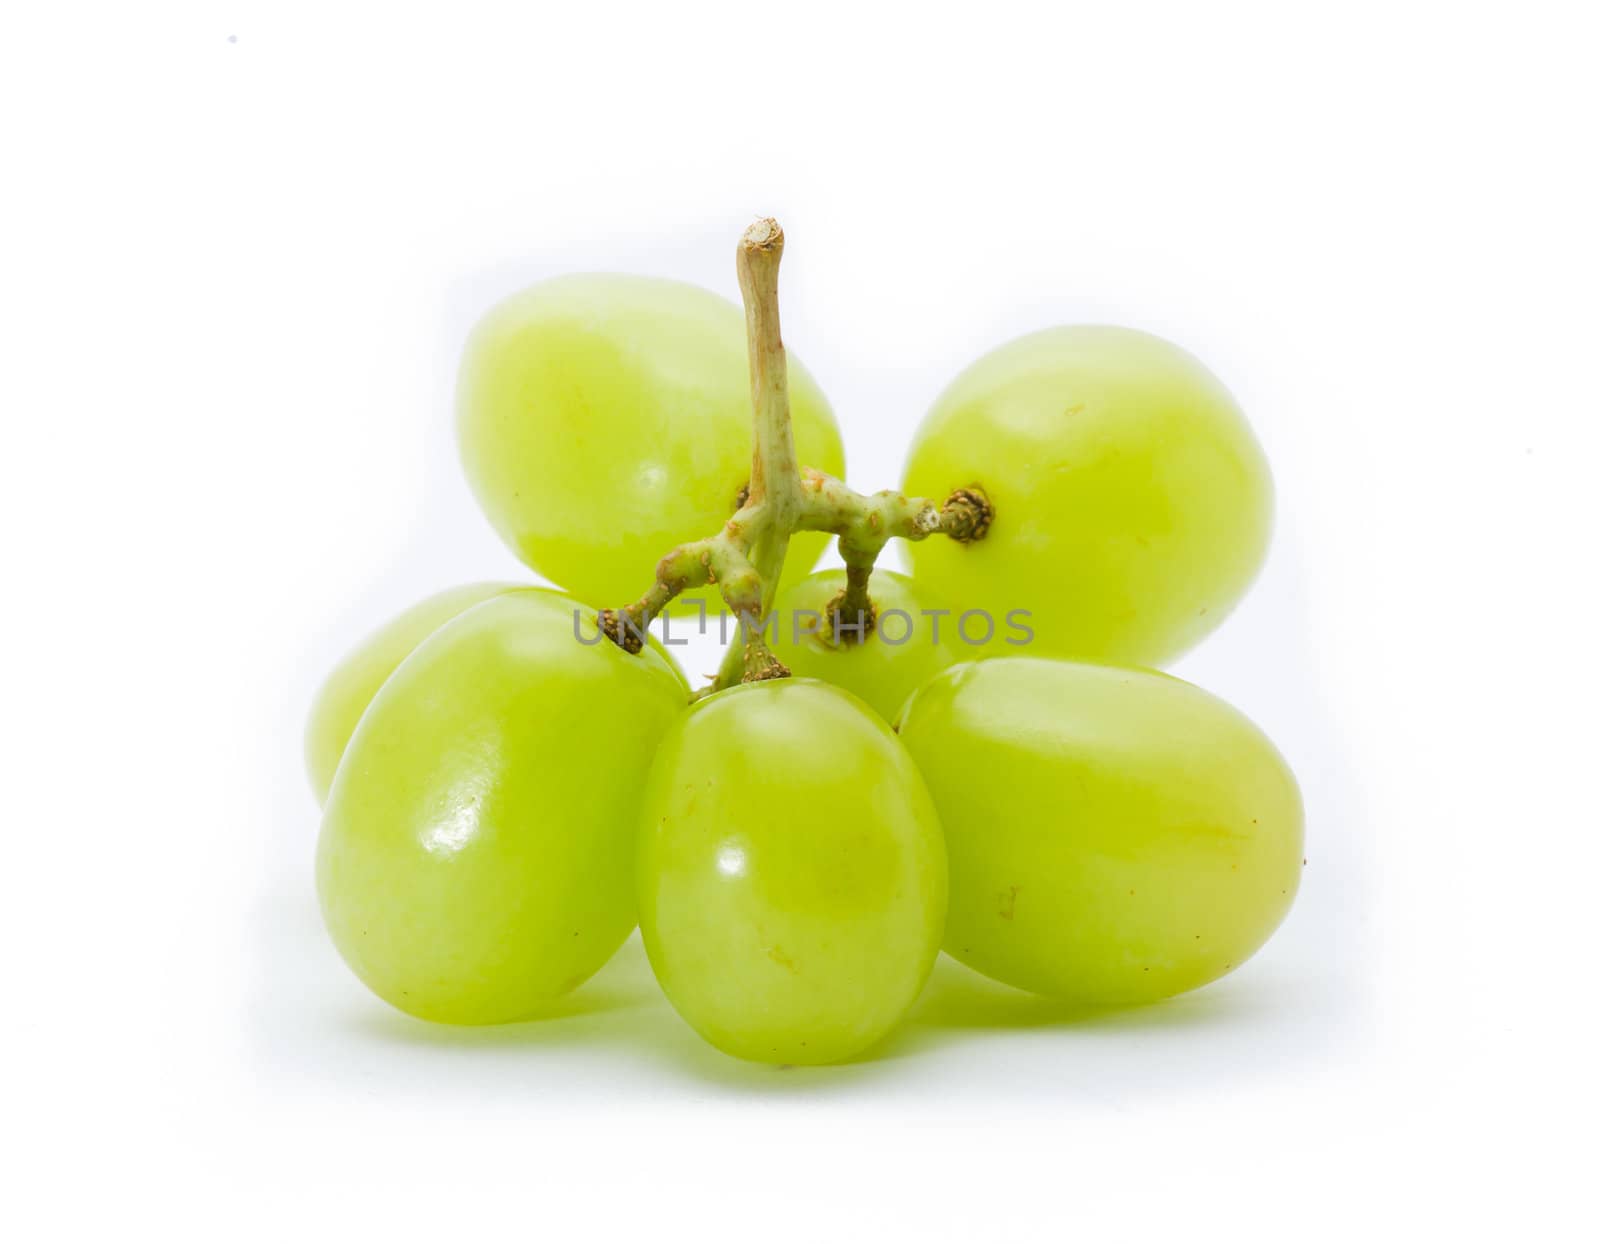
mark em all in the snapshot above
pixel 605 419
pixel 791 873
pixel 1132 501
pixel 476 854
pixel 347 691
pixel 1115 835
pixel 913 640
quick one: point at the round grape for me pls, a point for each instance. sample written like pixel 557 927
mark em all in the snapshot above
pixel 476 856
pixel 791 873
pixel 1115 835
pixel 1132 503
pixel 604 420
pixel 913 639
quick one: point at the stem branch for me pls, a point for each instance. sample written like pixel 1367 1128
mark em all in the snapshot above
pixel 745 559
pixel 774 473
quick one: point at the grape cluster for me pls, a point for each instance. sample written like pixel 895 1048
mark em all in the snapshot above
pixel 975 757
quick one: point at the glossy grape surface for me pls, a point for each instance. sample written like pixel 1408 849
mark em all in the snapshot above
pixel 791 873
pixel 605 419
pixel 1133 504
pixel 347 691
pixel 476 856
pixel 895 658
pixel 1115 835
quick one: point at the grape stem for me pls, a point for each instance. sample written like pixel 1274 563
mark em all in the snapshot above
pixel 745 558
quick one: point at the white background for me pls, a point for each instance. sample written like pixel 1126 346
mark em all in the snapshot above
pixel 242 245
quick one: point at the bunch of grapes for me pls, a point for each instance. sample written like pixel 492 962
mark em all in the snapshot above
pixel 976 757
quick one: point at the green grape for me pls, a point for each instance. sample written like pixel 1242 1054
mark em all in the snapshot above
pixel 1115 835
pixel 906 649
pixel 476 856
pixel 1132 502
pixel 791 873
pixel 347 691
pixel 604 420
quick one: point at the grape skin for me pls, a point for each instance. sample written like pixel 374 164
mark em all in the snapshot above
pixel 476 854
pixel 1115 835
pixel 1133 504
pixel 605 419
pixel 791 873
pixel 347 691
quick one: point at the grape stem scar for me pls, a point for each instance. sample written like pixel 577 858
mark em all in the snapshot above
pixel 745 558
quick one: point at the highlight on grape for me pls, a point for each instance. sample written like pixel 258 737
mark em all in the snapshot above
pixel 886 767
